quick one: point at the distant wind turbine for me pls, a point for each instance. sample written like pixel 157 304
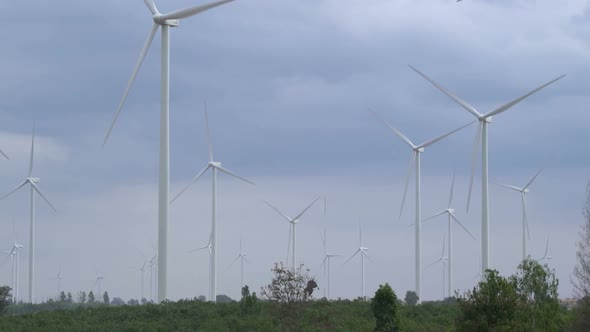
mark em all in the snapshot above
pixel 326 262
pixel 209 247
pixel 142 270
pixel 482 135
pixel 34 189
pixel 415 159
pixel 14 254
pixel 214 166
pixel 58 278
pixel 363 251
pixel 546 258
pixel 443 259
pixel 451 217
pixel 171 19
pixel 241 257
pixel 292 223
pixel 525 221
pixel 97 282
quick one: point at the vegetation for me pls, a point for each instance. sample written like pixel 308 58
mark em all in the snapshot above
pixel 5 298
pixel 581 277
pixel 384 307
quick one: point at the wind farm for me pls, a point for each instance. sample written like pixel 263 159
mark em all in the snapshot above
pixel 279 93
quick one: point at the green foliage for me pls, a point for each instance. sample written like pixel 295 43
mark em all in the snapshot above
pixel 489 306
pixel 384 307
pixel 105 298
pixel 581 277
pixel 62 297
pixel 4 298
pixel 249 303
pixel 411 298
pixel 82 297
pixel 91 298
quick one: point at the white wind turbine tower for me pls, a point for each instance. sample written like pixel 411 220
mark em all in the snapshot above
pixel 363 251
pixel 451 217
pixel 34 189
pixel 326 262
pixel 482 134
pixel 171 19
pixel 214 166
pixel 444 260
pixel 153 264
pixel 546 258
pixel 525 221
pixel 14 254
pixel 209 246
pixel 292 223
pixel 142 270
pixel 97 282
pixel 241 257
pixel 416 151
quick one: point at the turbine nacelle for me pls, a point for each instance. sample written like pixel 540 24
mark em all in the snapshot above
pixel 214 164
pixel 418 149
pixel 160 20
pixel 34 180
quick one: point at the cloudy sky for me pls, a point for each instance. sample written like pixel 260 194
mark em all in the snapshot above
pixel 288 84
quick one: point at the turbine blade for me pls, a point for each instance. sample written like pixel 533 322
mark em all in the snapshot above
pixel 433 263
pixel 507 186
pixel 278 211
pixel 232 263
pixel 397 132
pixel 458 100
pixel 434 216
pixel 442 255
pixel 547 247
pixel 401 210
pixel 201 248
pixel 151 6
pixel 191 11
pixel 305 210
pixel 519 99
pixel 15 189
pixel 526 217
pixel 474 161
pixel 191 183
pixel 43 196
pixel 228 172
pixel 32 152
pixel 533 179
pixel 4 154
pixel 208 133
pixel 432 141
pixel 452 189
pixel 351 257
pixel 142 55
pixel 462 226
pixel 289 242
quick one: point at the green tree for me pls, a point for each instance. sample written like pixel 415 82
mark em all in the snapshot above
pixel 384 307
pixel 581 277
pixel 105 298
pixel 411 298
pixel 5 298
pixel 82 297
pixel 91 298
pixel 70 299
pixel 287 296
pixel 490 306
pixel 249 302
pixel 537 288
pixel 62 297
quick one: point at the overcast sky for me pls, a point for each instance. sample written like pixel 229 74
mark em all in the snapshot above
pixel 288 84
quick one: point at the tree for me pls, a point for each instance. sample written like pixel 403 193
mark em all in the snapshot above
pixel 411 298
pixel 287 292
pixel 384 307
pixel 82 297
pixel 5 298
pixel 221 298
pixel 144 300
pixel 70 299
pixel 249 302
pixel 91 297
pixel 537 288
pixel 118 301
pixel 491 305
pixel 62 297
pixel 105 298
pixel 202 298
pixel 581 277
pixel 132 301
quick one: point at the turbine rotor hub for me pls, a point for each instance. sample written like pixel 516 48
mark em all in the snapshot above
pixel 214 164
pixel 34 180
pixel 159 20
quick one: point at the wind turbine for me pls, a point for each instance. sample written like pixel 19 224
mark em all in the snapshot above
pixel 142 269
pixel 451 217
pixel 443 259
pixel 525 221
pixel 171 19
pixel 214 166
pixel 241 257
pixel 58 277
pixel 292 223
pixel 153 264
pixel 14 254
pixel 326 262
pixel 209 246
pixel 363 251
pixel 416 151
pixel 97 282
pixel 546 257
pixel 34 189
pixel 482 135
